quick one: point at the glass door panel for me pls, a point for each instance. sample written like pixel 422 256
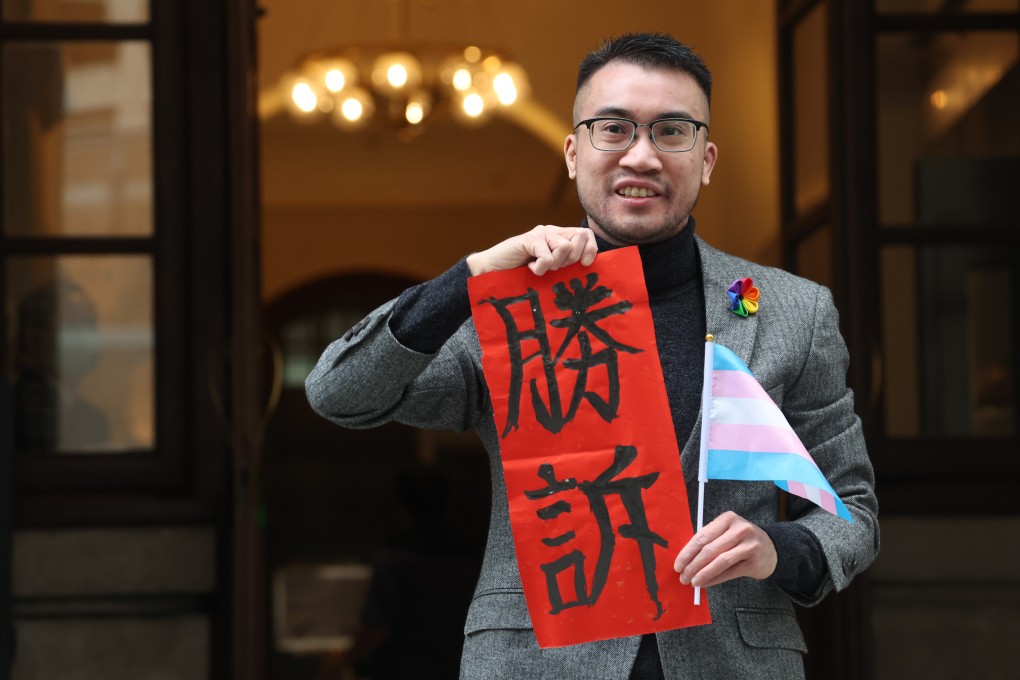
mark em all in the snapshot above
pixel 77 139
pixel 91 11
pixel 81 353
pixel 948 139
pixel 949 340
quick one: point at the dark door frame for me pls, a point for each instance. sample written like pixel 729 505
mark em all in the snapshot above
pixel 248 622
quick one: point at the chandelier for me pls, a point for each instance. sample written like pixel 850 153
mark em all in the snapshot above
pixel 404 87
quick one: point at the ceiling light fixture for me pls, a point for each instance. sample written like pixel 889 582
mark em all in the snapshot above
pixel 406 86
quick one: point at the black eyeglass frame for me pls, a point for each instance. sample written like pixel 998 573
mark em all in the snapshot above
pixel 633 137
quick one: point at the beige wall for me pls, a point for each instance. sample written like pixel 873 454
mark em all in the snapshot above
pixel 336 202
pixel 114 602
pixel 416 244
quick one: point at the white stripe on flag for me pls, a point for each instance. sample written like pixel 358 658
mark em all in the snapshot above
pixel 743 411
pixel 813 495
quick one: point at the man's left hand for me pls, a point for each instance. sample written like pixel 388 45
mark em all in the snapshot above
pixel 726 548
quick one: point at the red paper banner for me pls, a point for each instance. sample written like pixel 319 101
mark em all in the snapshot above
pixel 598 503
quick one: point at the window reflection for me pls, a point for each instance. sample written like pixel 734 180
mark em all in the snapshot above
pixel 77 121
pixel 948 134
pixel 81 351
pixel 949 341
pixel 92 11
pixel 50 410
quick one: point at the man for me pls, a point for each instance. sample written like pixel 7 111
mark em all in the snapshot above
pixel 640 154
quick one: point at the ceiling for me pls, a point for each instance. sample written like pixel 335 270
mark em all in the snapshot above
pixel 502 162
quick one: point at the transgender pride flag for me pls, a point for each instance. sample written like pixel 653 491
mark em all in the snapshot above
pixel 745 436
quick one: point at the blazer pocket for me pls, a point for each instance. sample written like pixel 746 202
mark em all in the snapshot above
pixel 770 629
pixel 498 610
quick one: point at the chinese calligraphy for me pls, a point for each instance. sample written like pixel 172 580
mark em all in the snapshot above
pixel 589 454
pixel 581 324
pixel 605 484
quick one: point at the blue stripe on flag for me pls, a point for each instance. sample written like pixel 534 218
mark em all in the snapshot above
pixel 771 467
pixel 758 466
pixel 724 359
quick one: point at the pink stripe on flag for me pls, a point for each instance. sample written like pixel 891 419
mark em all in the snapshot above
pixel 796 488
pixel 811 493
pixel 737 384
pixel 759 438
pixel 827 501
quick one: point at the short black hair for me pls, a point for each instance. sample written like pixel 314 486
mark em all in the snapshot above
pixel 649 50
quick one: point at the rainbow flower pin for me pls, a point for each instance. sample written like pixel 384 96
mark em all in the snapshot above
pixel 743 297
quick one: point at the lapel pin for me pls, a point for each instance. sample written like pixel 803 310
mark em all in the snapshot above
pixel 743 297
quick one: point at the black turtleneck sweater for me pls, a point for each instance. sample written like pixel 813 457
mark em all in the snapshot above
pixel 427 315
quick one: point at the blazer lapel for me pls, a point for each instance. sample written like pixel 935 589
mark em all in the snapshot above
pixel 718 271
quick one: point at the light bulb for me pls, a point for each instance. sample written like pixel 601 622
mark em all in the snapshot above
pixel 414 113
pixel 461 79
pixel 335 80
pixel 396 75
pixel 473 104
pixel 303 96
pixel 510 85
pixel 355 109
pixel 396 71
pixel 352 109
pixel 505 88
pixel 332 73
pixel 419 106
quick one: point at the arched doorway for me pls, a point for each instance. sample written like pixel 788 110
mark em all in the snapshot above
pixel 369 533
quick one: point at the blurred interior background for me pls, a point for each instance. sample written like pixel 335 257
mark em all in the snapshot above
pixel 192 208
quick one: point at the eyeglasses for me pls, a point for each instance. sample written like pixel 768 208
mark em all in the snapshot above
pixel 618 134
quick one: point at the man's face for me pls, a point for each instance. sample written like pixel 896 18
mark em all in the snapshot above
pixel 605 177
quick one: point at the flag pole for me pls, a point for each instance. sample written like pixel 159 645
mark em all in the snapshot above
pixel 706 401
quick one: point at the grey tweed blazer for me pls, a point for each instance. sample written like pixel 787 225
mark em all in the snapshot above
pixel 793 347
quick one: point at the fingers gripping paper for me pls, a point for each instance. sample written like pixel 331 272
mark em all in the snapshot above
pixel 597 498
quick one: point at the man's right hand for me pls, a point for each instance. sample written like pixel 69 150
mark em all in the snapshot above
pixel 544 248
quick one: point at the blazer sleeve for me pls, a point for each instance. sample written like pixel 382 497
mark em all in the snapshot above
pixel 368 378
pixel 820 408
